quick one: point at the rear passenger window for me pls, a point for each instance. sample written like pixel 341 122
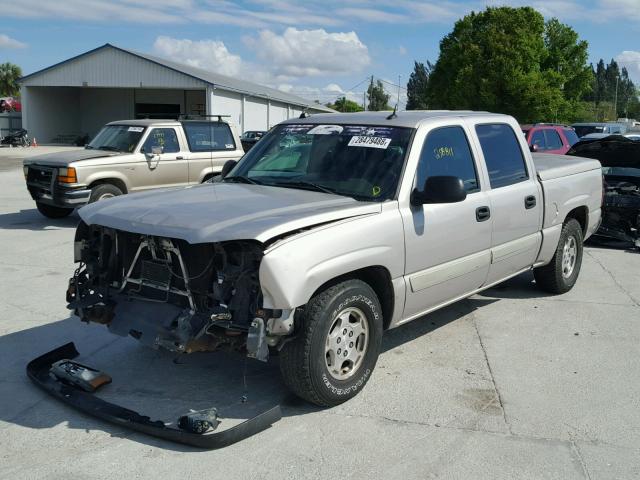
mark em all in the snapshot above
pixel 209 136
pixel 502 154
pixel 571 135
pixel 446 152
pixel 553 139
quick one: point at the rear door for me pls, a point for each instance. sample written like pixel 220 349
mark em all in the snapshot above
pixel 515 197
pixel 167 169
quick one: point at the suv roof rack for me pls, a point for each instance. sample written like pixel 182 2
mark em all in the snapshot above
pixel 553 124
pixel 198 116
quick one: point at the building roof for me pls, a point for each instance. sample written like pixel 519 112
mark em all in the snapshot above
pixel 407 118
pixel 215 79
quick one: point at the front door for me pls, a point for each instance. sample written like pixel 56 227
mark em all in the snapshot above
pixel 447 245
pixel 167 169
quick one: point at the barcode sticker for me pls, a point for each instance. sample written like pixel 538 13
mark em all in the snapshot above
pixel 370 142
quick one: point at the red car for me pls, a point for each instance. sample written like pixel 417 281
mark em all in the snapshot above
pixel 10 104
pixel 549 137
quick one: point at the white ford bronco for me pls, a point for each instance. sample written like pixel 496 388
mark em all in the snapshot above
pixel 130 156
pixel 331 230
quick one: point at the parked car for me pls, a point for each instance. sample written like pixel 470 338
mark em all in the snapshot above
pixel 250 138
pixel 598 136
pixel 620 159
pixel 609 128
pixel 549 138
pixel 10 104
pixel 360 230
pixel 130 156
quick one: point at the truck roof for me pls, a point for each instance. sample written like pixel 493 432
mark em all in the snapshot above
pixel 411 118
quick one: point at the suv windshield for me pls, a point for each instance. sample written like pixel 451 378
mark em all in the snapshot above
pixel 363 162
pixel 117 138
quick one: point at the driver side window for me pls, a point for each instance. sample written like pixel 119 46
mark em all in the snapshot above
pixel 162 137
pixel 446 152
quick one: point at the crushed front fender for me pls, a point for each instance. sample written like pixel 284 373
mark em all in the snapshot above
pixel 38 371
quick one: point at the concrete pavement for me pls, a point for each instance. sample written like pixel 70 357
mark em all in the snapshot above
pixel 509 384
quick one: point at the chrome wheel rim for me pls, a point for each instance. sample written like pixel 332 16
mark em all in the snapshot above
pixel 106 195
pixel 346 343
pixel 569 256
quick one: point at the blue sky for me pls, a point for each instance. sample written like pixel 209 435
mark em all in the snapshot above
pixel 318 49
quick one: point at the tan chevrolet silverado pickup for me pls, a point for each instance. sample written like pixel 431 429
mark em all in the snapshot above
pixel 128 156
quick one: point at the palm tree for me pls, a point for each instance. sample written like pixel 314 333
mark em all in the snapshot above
pixel 9 75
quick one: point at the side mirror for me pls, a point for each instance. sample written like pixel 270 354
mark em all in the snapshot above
pixel 227 167
pixel 440 189
pixel 157 150
pixel 533 147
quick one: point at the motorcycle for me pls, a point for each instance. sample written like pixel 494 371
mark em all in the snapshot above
pixel 17 139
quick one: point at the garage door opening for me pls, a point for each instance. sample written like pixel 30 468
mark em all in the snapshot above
pixel 157 110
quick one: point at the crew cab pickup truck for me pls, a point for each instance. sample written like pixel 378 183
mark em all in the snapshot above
pixel 130 156
pixel 331 230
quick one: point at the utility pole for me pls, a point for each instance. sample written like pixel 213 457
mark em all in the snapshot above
pixel 398 103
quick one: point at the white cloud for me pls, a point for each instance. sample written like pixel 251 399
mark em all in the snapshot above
pixel 7 42
pixel 631 60
pixel 333 88
pixel 298 53
pixel 210 55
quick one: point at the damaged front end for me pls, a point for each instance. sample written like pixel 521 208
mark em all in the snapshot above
pixel 620 159
pixel 168 293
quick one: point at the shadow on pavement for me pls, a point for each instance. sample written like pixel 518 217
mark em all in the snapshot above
pixel 160 384
pixel 33 220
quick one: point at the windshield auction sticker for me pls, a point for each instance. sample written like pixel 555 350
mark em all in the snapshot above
pixel 370 142
pixel 136 129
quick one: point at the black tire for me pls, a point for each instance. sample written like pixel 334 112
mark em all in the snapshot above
pixel 50 211
pixel 104 190
pixel 303 361
pixel 551 277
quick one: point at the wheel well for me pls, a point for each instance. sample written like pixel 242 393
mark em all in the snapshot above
pixel 379 279
pixel 208 176
pixel 580 214
pixel 116 182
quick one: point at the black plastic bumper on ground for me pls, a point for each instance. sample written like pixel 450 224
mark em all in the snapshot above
pixel 38 371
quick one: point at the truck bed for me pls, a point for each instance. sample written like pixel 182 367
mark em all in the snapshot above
pixel 550 166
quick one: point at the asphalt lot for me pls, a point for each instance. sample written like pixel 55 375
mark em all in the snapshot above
pixel 509 384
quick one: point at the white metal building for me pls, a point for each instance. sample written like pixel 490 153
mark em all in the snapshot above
pixel 79 95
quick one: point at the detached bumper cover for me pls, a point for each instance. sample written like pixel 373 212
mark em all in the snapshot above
pixel 38 372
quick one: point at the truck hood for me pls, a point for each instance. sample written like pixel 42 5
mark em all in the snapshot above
pixel 219 212
pixel 62 159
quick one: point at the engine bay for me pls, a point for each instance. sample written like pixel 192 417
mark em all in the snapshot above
pixel 169 293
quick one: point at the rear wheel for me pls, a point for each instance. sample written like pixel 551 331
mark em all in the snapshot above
pixel 336 346
pixel 50 211
pixel 560 275
pixel 104 190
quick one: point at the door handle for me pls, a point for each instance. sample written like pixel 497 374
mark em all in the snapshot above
pixel 482 214
pixel 529 202
pixel 179 157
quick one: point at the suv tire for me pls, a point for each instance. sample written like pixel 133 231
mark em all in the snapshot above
pixel 51 211
pixel 560 275
pixel 336 344
pixel 104 190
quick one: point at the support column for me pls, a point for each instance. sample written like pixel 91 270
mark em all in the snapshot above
pixel 209 100
pixel 24 100
pixel 242 109
pixel 268 114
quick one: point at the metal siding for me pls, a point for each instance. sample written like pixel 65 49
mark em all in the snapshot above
pixel 228 103
pixel 110 67
pixel 52 112
pixel 255 114
pixel 277 113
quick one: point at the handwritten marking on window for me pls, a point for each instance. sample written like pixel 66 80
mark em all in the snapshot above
pixel 442 152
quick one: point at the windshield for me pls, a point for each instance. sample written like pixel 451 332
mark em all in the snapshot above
pixel 363 162
pixel 117 138
pixel 582 130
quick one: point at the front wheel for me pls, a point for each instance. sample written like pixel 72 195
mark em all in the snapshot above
pixel 336 345
pixel 103 191
pixel 560 275
pixel 51 211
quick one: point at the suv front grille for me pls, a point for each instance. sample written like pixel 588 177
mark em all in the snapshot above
pixel 40 176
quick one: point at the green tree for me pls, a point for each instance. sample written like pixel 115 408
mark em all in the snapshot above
pixel 507 60
pixel 417 96
pixel 344 105
pixel 378 98
pixel 9 75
